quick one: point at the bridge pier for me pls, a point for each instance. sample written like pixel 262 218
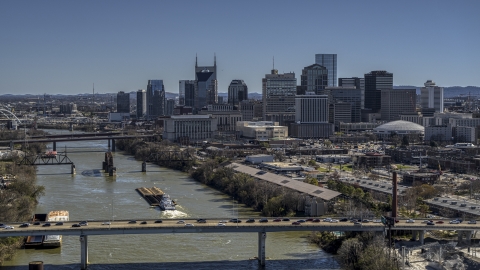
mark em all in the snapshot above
pixel 469 236
pixel 83 252
pixel 460 236
pixel 261 248
pixel 414 235
pixel 54 146
pixel 144 166
pixel 113 145
pixel 108 143
pixel 11 145
pixel 421 237
pixel 112 171
pixel 73 170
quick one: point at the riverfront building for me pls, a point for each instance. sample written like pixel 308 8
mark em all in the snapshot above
pixel 189 128
pixel 330 62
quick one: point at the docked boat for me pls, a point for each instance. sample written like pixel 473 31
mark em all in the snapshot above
pixel 166 203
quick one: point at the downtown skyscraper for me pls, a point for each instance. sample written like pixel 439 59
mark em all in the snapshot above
pixel 330 62
pixel 375 82
pixel 155 98
pixel 206 85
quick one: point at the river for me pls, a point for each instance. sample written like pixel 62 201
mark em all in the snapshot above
pixel 93 195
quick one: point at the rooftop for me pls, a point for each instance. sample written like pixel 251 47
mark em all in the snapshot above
pixel 314 191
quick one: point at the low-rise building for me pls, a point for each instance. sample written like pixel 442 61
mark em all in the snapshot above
pixel 261 130
pixel 415 178
pixel 189 128
pixel 257 159
pixel 371 160
pixel 333 158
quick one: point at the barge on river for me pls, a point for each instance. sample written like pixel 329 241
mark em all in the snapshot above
pixel 47 241
pixel 156 197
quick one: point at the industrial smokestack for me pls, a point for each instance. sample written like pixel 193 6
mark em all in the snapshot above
pixel 394 195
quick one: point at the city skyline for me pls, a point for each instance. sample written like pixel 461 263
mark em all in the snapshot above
pixel 58 47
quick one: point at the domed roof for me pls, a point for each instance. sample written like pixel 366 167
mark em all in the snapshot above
pixel 399 126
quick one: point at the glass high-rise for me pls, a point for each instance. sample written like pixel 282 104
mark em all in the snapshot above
pixel 279 92
pixel 155 98
pixel 330 62
pixel 141 103
pixel 237 92
pixel 314 78
pixel 206 85
pixel 375 82
pixel 123 102
pixel 187 93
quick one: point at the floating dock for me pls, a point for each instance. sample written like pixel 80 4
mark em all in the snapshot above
pixel 152 195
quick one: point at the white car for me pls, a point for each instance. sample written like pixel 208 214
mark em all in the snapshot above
pixel 221 224
pixel 377 221
pixel 9 227
pixel 327 220
pixel 189 225
pixel 472 222
pixel 106 223
pixel 454 222
pixel 180 222
pixel 410 221
pixel 333 220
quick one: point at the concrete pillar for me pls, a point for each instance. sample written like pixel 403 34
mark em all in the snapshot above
pixel 460 236
pixel 261 248
pixel 11 145
pixel 113 145
pixel 112 171
pixel 421 237
pixel 144 166
pixel 71 126
pixel 73 171
pixel 83 252
pixel 414 235
pixel 108 143
pixel 469 236
pixel 54 146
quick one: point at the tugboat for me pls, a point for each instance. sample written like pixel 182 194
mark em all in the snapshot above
pixel 166 203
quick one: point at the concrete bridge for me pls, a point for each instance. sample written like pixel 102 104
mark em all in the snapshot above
pixel 212 226
pixel 76 137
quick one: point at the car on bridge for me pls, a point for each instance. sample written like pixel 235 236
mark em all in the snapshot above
pixel 158 221
pixel 285 219
pixel 83 223
pixel 250 220
pixel 46 224
pixel 143 222
pixel 181 222
pixel 263 220
pixel 221 224
pixel 189 225
pixel 430 223
pixel 439 222
pixel 410 221
pixel 277 220
pixel 106 223
pixel 76 225
pixel 24 225
pixel 132 222
pixel 316 220
pixel 235 220
pixel 59 223
pixel 296 223
pixel 472 222
pixel 201 220
pixel 9 227
pixel 454 222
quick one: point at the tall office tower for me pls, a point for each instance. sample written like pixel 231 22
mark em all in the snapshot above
pixel 123 102
pixel 141 103
pixel 237 92
pixel 187 93
pixel 432 96
pixel 170 106
pixel 358 83
pixel 314 78
pixel 278 94
pixel 396 102
pixel 206 85
pixel 375 82
pixel 340 112
pixel 330 62
pixel 155 101
pixel 311 109
pixel 352 95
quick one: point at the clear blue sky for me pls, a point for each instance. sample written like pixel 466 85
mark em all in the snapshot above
pixel 62 47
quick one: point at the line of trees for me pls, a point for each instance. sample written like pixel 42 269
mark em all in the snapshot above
pixel 270 199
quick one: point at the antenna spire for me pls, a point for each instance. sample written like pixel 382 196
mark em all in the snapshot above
pixel 214 59
pixel 273 62
pixel 196 60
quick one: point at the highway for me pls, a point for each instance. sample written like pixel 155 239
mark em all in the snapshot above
pixel 211 226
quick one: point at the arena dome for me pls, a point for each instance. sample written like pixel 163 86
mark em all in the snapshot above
pixel 399 127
